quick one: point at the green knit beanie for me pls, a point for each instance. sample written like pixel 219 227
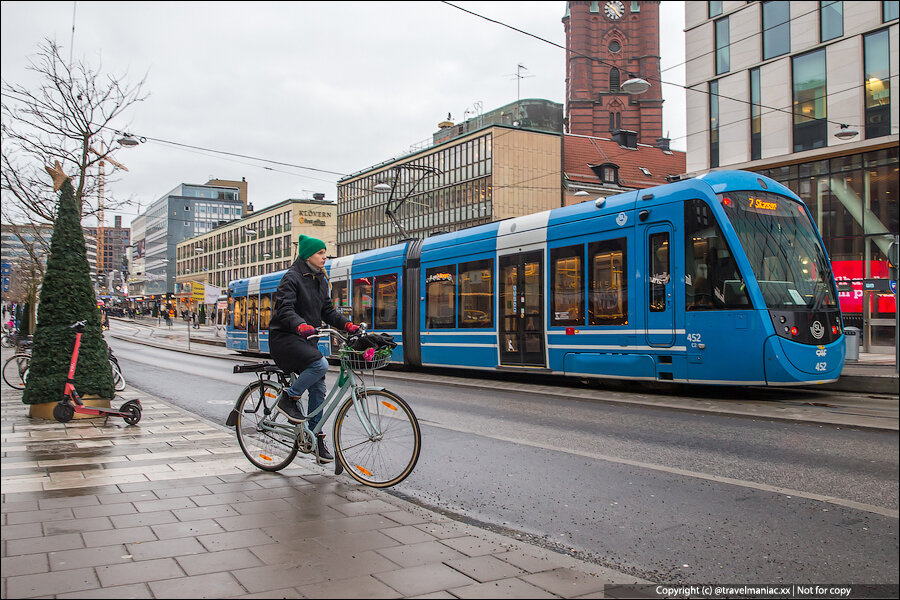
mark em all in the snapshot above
pixel 307 246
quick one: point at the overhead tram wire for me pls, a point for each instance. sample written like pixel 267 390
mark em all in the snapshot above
pixel 603 62
pixel 214 151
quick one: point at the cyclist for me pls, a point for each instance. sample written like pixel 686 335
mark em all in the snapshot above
pixel 302 302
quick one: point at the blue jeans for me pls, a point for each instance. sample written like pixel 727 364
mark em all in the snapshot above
pixel 312 378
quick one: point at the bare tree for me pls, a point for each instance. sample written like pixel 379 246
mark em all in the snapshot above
pixel 70 117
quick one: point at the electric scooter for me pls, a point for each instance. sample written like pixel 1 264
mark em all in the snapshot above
pixel 71 402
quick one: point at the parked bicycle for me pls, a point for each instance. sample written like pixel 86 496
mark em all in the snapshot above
pixel 376 434
pixel 15 369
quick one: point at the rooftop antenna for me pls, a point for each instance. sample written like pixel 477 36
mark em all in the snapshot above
pixel 519 77
pixel 72 39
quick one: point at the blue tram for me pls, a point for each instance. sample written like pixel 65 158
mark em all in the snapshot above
pixel 720 279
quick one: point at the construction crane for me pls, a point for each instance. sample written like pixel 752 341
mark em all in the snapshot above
pixel 101 258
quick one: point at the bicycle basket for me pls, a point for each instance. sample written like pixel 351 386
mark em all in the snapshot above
pixel 366 360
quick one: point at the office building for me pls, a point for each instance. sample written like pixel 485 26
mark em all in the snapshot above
pixel 807 93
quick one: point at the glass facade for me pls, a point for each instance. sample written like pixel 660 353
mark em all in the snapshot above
pixel 723 45
pixel 878 86
pixel 713 124
pixel 810 114
pixel 853 200
pixel 776 22
pixel 755 116
pixel 458 196
pixel 831 20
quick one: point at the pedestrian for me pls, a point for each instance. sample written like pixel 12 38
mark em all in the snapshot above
pixel 195 319
pixel 302 302
pixel 170 317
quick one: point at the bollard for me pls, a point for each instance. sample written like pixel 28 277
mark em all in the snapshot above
pixel 851 335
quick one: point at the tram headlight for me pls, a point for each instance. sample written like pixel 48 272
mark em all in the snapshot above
pixel 794 331
pixel 834 329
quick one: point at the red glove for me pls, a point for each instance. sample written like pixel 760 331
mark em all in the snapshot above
pixel 351 328
pixel 305 330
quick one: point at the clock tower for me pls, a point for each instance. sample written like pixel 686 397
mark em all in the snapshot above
pixel 608 42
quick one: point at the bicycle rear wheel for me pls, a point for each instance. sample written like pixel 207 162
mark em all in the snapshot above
pixel 387 456
pixel 15 370
pixel 267 450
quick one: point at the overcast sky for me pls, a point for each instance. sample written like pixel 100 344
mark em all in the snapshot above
pixel 336 86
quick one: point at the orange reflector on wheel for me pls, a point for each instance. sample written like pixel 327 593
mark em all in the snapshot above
pixel 363 470
pixel 389 405
pixel 270 395
pixel 264 457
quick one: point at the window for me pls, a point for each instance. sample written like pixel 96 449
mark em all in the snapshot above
pixel 240 313
pixel 809 101
pixel 723 41
pixel 878 87
pixel 614 79
pixel 776 23
pixel 659 271
pixel 476 294
pixel 635 6
pixel 567 275
pixel 831 20
pixel 755 116
pixel 386 301
pixel 265 311
pixel 714 8
pixel 610 174
pixel 711 277
pixel 645 171
pixel 440 297
pixel 615 46
pixel 713 124
pixel 615 121
pixel 363 305
pixel 608 285
pixel 890 10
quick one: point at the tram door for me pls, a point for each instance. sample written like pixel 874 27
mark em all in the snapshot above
pixel 521 309
pixel 660 287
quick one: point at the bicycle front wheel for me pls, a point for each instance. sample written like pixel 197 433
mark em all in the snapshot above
pixel 15 370
pixel 267 450
pixel 387 454
pixel 118 378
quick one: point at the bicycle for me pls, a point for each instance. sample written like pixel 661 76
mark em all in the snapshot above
pixel 15 369
pixel 376 434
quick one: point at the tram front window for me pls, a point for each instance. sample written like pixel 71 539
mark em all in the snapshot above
pixel 784 251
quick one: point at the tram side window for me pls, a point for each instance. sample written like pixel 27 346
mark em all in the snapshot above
pixel 476 294
pixel 712 280
pixel 340 296
pixel 440 297
pixel 240 313
pixel 608 294
pixel 567 266
pixel 265 311
pixel 386 301
pixel 363 305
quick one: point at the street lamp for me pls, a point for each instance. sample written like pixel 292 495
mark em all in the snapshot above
pixel 267 255
pixel 846 132
pixel 382 188
pixel 635 86
pixel 249 231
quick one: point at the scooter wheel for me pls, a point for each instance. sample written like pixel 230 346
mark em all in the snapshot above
pixel 132 413
pixel 63 412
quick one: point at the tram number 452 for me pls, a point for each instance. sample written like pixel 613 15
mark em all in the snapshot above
pixel 822 366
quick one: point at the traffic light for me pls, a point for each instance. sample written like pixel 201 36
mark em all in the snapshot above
pixel 894 260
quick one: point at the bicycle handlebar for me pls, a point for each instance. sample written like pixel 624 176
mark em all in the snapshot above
pixel 343 335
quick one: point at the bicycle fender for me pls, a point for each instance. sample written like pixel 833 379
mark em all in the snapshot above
pixel 232 419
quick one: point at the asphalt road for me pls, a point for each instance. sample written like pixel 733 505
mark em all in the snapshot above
pixel 667 495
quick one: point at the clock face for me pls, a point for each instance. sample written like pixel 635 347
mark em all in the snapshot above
pixel 614 10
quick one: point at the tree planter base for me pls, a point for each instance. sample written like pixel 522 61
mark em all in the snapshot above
pixel 44 410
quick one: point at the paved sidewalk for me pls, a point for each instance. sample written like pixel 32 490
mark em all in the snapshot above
pixel 170 508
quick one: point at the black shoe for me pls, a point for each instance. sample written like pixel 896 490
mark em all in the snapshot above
pixel 287 405
pixel 324 455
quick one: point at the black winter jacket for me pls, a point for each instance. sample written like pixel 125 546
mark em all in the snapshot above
pixel 302 297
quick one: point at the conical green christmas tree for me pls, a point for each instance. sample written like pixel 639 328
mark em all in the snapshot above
pixel 67 296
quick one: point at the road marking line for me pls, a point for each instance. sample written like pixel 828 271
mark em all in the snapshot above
pixel 878 510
